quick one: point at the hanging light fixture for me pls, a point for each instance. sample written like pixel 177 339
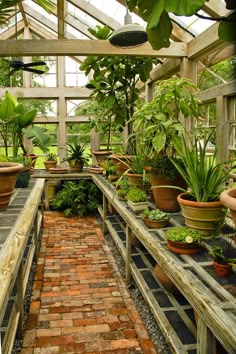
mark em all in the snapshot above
pixel 129 35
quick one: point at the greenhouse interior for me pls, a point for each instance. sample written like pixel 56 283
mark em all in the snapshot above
pixel 117 177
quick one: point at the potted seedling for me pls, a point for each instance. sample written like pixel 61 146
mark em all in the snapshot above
pixel 221 263
pixel 50 160
pixel 160 121
pixel 206 178
pixel 183 240
pixel 155 218
pixel 76 156
pixel 137 199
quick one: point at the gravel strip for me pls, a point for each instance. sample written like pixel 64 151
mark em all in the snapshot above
pixel 156 335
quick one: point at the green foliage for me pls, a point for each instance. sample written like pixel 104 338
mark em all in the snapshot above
pixel 77 198
pixel 159 119
pixel 155 13
pixel 159 26
pixel 75 152
pixel 15 119
pixel 115 82
pixel 155 214
pixel 136 195
pixel 217 253
pixel 38 136
pixel 183 234
pixel 164 167
pixel 204 176
pixel 50 156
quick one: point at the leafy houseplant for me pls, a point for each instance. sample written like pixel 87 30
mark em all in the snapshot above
pixel 137 199
pixel 160 122
pixel 50 160
pixel 102 121
pixel 115 81
pixel 206 179
pixel 76 156
pixel 77 198
pixel 155 218
pixel 183 239
pixel 15 121
pixel 221 263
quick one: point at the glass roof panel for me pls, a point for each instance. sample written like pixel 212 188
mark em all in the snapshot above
pixel 193 24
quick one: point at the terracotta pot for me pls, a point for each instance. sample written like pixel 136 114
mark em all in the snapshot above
pixel 165 280
pixel 8 175
pixel 228 199
pixel 166 198
pixel 183 247
pixel 155 224
pixel 50 164
pixel 77 166
pixel 222 270
pixel 205 216
pixel 101 155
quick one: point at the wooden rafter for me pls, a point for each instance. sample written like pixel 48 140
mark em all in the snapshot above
pixel 61 11
pixel 85 47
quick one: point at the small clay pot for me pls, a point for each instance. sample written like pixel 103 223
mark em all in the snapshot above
pixel 222 270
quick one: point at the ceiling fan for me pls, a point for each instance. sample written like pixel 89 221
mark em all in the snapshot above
pixel 17 64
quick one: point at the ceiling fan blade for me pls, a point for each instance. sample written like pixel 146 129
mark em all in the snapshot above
pixel 36 71
pixel 36 63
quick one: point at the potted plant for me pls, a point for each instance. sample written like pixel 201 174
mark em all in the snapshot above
pixel 16 120
pixel 221 263
pixel 206 178
pixel 160 122
pixel 50 160
pixel 115 80
pixel 183 240
pixel 102 121
pixel 155 218
pixel 76 156
pixel 8 175
pixel 137 199
pixel 122 187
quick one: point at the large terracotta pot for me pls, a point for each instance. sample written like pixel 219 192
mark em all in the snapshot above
pixel 166 198
pixel 165 280
pixel 77 166
pixel 101 155
pixel 228 199
pixel 8 175
pixel 205 216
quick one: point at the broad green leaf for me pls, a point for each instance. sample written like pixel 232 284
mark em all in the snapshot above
pixel 155 16
pixel 159 141
pixel 227 30
pixel 183 7
pixel 159 37
pixel 145 8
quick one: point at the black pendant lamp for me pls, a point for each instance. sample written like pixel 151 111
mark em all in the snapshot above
pixel 129 35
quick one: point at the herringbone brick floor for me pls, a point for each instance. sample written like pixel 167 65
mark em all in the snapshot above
pixel 79 301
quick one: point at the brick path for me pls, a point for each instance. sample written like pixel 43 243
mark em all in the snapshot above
pixel 79 301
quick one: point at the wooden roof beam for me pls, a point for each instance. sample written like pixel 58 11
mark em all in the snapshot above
pixel 215 8
pixel 206 43
pixel 78 47
pixel 61 12
pixel 94 12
